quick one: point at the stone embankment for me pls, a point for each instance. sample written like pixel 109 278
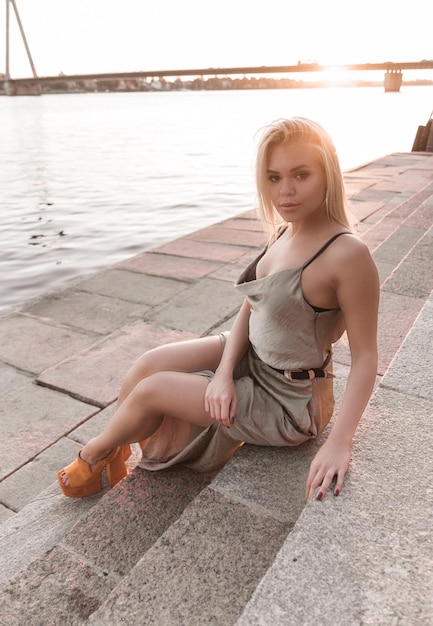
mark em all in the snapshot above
pixel 241 547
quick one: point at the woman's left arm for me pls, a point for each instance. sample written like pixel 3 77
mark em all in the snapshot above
pixel 357 289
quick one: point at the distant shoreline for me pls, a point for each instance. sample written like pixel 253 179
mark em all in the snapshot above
pixel 209 84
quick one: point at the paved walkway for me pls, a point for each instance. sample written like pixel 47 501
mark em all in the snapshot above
pixel 368 555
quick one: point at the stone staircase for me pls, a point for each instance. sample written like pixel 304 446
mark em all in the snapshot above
pixel 242 546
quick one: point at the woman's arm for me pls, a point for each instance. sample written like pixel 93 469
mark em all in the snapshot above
pixel 220 398
pixel 357 290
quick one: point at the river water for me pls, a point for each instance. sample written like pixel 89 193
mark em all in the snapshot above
pixel 87 180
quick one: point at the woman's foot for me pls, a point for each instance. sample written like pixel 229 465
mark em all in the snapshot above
pixel 85 476
pixel 87 455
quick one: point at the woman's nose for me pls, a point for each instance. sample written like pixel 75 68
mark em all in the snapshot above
pixel 287 187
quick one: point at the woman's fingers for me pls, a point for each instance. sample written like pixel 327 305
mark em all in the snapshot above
pixel 331 461
pixel 221 410
pixel 322 482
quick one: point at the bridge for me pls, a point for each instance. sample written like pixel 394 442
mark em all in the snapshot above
pixel 393 72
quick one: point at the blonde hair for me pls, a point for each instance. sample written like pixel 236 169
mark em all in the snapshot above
pixel 286 131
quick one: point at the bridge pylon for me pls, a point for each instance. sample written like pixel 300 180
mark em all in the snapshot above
pixel 11 89
pixel 393 80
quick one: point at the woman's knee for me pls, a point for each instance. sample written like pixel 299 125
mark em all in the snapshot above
pixel 151 389
pixel 144 366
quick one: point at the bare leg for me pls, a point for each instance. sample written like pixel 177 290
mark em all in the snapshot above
pixel 177 394
pixel 159 383
pixel 183 356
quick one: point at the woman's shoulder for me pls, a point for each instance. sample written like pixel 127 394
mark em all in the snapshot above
pixel 349 244
pixel 351 256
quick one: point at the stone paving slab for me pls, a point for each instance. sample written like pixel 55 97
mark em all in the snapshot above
pixel 375 195
pixel 231 271
pixel 390 211
pixel 5 513
pixel 245 221
pixel 401 205
pixel 199 308
pixel 220 234
pixel 29 423
pixel 206 251
pixel 412 371
pixel 32 344
pixel 11 379
pixel 396 315
pixel 365 209
pixel 366 556
pixel 133 287
pixel 25 484
pixel 397 245
pixel 407 181
pixel 414 276
pixel 95 375
pixel 77 308
pixel 92 428
pixel 423 217
pixel 160 264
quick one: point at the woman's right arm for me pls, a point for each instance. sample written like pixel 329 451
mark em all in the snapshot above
pixel 220 397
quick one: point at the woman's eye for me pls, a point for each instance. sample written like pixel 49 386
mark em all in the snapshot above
pixel 301 175
pixel 273 178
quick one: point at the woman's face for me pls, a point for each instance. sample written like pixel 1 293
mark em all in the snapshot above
pixel 296 181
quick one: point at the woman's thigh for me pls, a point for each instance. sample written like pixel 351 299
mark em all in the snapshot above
pixel 194 355
pixel 175 394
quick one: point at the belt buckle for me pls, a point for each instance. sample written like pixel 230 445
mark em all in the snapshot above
pixel 311 374
pixel 288 375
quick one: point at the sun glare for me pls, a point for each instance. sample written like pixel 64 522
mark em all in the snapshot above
pixel 333 75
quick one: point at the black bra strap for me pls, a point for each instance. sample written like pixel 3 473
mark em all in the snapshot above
pixel 323 248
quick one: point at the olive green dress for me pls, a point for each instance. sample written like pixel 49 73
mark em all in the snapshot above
pixel 285 333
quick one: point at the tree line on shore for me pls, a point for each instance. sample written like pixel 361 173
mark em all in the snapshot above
pixel 201 84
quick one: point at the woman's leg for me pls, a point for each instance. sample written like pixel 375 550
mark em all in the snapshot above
pixel 177 394
pixel 159 383
pixel 183 356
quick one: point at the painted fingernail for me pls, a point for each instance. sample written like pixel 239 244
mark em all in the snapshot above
pixel 337 492
pixel 319 495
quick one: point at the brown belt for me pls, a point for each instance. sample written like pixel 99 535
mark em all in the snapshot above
pixel 311 374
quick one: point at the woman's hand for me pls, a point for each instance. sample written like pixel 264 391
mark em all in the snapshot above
pixel 221 400
pixel 332 460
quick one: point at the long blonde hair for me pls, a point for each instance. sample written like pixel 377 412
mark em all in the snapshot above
pixel 285 131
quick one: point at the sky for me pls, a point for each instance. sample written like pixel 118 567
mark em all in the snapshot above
pixel 92 36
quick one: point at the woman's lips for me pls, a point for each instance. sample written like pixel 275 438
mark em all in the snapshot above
pixel 289 205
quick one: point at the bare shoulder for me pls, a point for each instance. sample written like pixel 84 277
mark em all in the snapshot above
pixel 353 268
pixel 351 253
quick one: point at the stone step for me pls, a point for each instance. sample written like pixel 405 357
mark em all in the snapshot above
pixel 67 554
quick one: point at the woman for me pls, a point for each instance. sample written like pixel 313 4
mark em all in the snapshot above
pixel 269 381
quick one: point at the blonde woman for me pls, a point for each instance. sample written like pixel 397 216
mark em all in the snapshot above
pixel 268 381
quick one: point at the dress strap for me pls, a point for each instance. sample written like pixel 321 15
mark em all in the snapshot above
pixel 323 248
